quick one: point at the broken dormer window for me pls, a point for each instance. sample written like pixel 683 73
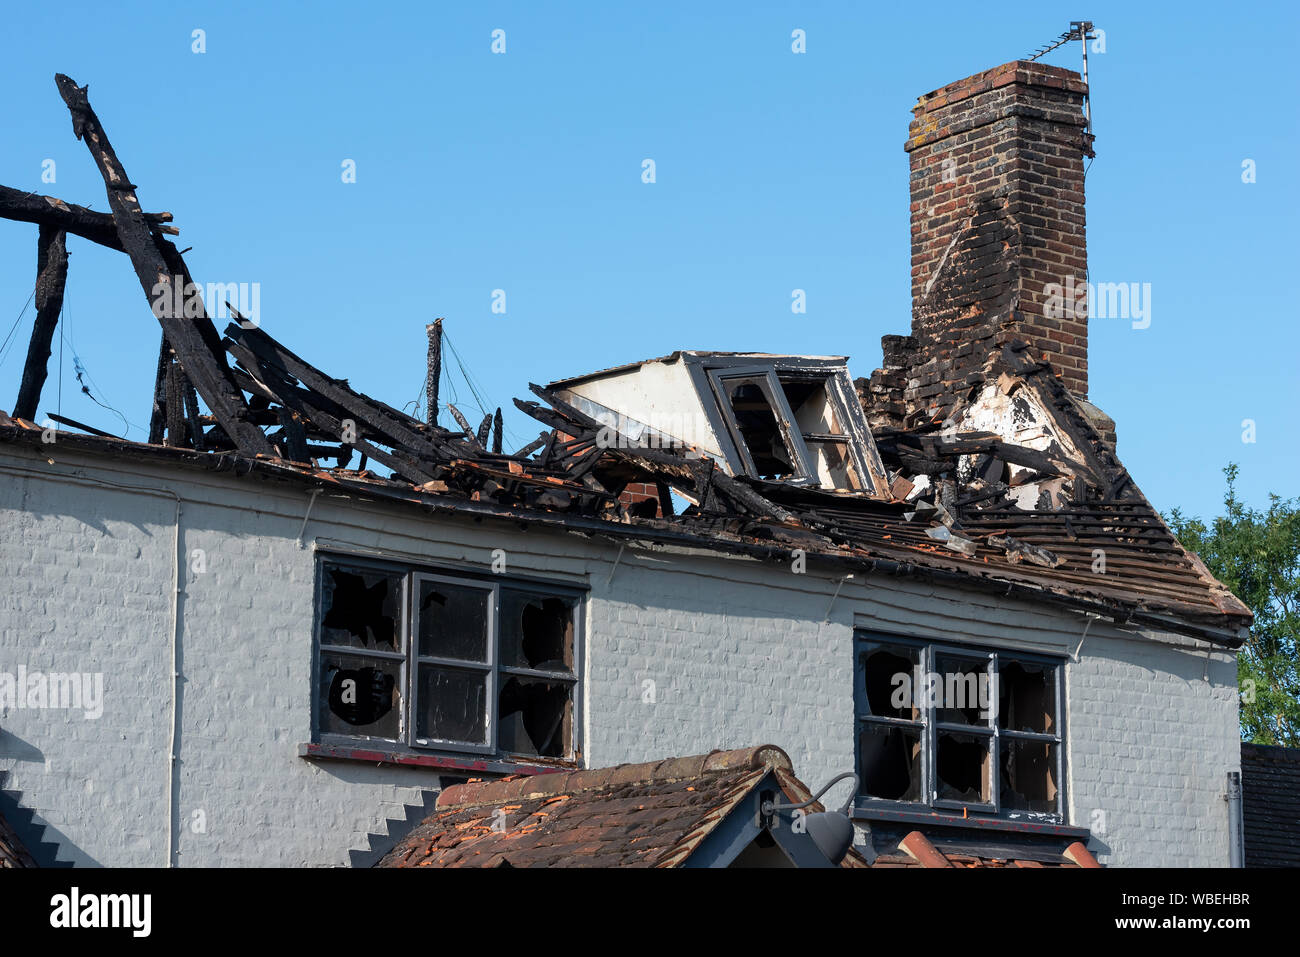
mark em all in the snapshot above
pixel 779 418
pixel 822 425
pixel 761 424
pixel 958 729
pixel 795 422
pixel 430 660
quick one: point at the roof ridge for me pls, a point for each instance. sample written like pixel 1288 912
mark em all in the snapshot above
pixel 524 787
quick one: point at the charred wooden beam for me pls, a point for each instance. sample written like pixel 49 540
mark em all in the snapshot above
pixel 464 424
pixel 162 275
pixel 497 426
pixel 51 276
pixel 665 498
pixel 49 211
pixel 484 428
pixel 63 420
pixel 305 405
pixel 571 421
pixel 192 412
pixel 433 371
pixel 175 407
pixel 158 417
pixel 394 428
pixel 533 446
pixel 295 436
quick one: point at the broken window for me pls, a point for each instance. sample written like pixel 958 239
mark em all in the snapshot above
pixel 535 706
pixel 361 652
pixel 470 664
pixel 963 767
pixel 889 727
pixel 760 424
pixel 1026 697
pixel 890 759
pixel 361 695
pixel 959 729
pixel 363 609
pixel 821 426
pixel 795 422
pixel 1029 775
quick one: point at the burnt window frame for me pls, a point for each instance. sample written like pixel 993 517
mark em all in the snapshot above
pixel 407 741
pixel 704 370
pixel 804 472
pixel 930 728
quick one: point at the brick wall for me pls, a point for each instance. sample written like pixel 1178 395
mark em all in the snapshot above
pixel 635 493
pixel 997 214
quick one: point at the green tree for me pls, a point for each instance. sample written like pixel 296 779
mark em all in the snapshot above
pixel 1257 555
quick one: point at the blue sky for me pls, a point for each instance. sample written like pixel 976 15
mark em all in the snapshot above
pixel 774 171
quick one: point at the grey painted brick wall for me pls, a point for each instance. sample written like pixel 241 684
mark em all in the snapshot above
pixel 739 653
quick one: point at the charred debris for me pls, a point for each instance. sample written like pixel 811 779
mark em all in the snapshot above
pixel 1009 487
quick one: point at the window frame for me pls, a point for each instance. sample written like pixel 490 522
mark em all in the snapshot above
pixel 930 728
pixel 411 574
pixel 703 369
pixel 785 421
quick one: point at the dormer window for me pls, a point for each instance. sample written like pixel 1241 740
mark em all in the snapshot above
pixel 792 424
pixel 779 418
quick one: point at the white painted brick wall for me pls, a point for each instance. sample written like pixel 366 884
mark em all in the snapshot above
pixel 739 653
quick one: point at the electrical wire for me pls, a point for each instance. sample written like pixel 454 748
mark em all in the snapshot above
pixel 4 346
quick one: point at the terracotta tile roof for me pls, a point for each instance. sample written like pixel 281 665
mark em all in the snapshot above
pixel 917 849
pixel 634 815
pixel 12 852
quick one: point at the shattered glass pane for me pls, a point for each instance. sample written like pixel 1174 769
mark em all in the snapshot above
pixel 362 608
pixel 886 677
pixel 963 691
pixel 452 705
pixel 453 621
pixel 1026 697
pixel 759 428
pixel 890 762
pixel 535 716
pixel 964 766
pixel 536 631
pixel 360 695
pixel 1028 775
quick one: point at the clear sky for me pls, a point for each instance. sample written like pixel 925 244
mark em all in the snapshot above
pixel 775 171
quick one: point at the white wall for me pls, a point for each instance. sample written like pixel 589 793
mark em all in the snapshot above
pixel 739 653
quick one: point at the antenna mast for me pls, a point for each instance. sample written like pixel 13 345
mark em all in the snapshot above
pixel 1080 30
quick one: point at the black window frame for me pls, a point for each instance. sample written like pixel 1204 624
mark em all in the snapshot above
pixel 411 575
pixel 930 728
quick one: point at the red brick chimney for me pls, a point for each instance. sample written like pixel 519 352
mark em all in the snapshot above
pixel 997 215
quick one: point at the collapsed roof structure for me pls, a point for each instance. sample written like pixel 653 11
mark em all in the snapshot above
pixel 991 473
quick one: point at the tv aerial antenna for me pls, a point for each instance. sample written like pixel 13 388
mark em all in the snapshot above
pixel 1080 30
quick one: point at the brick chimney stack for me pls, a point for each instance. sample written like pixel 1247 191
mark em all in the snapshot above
pixel 997 215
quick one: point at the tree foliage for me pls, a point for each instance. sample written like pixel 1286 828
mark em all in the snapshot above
pixel 1256 553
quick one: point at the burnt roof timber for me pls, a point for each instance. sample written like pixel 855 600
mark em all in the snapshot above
pixel 302 403
pixel 649 531
pixel 158 264
pixel 51 277
pixel 391 427
pixel 28 207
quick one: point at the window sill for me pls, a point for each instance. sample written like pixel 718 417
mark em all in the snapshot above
pixel 943 819
pixel 458 763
